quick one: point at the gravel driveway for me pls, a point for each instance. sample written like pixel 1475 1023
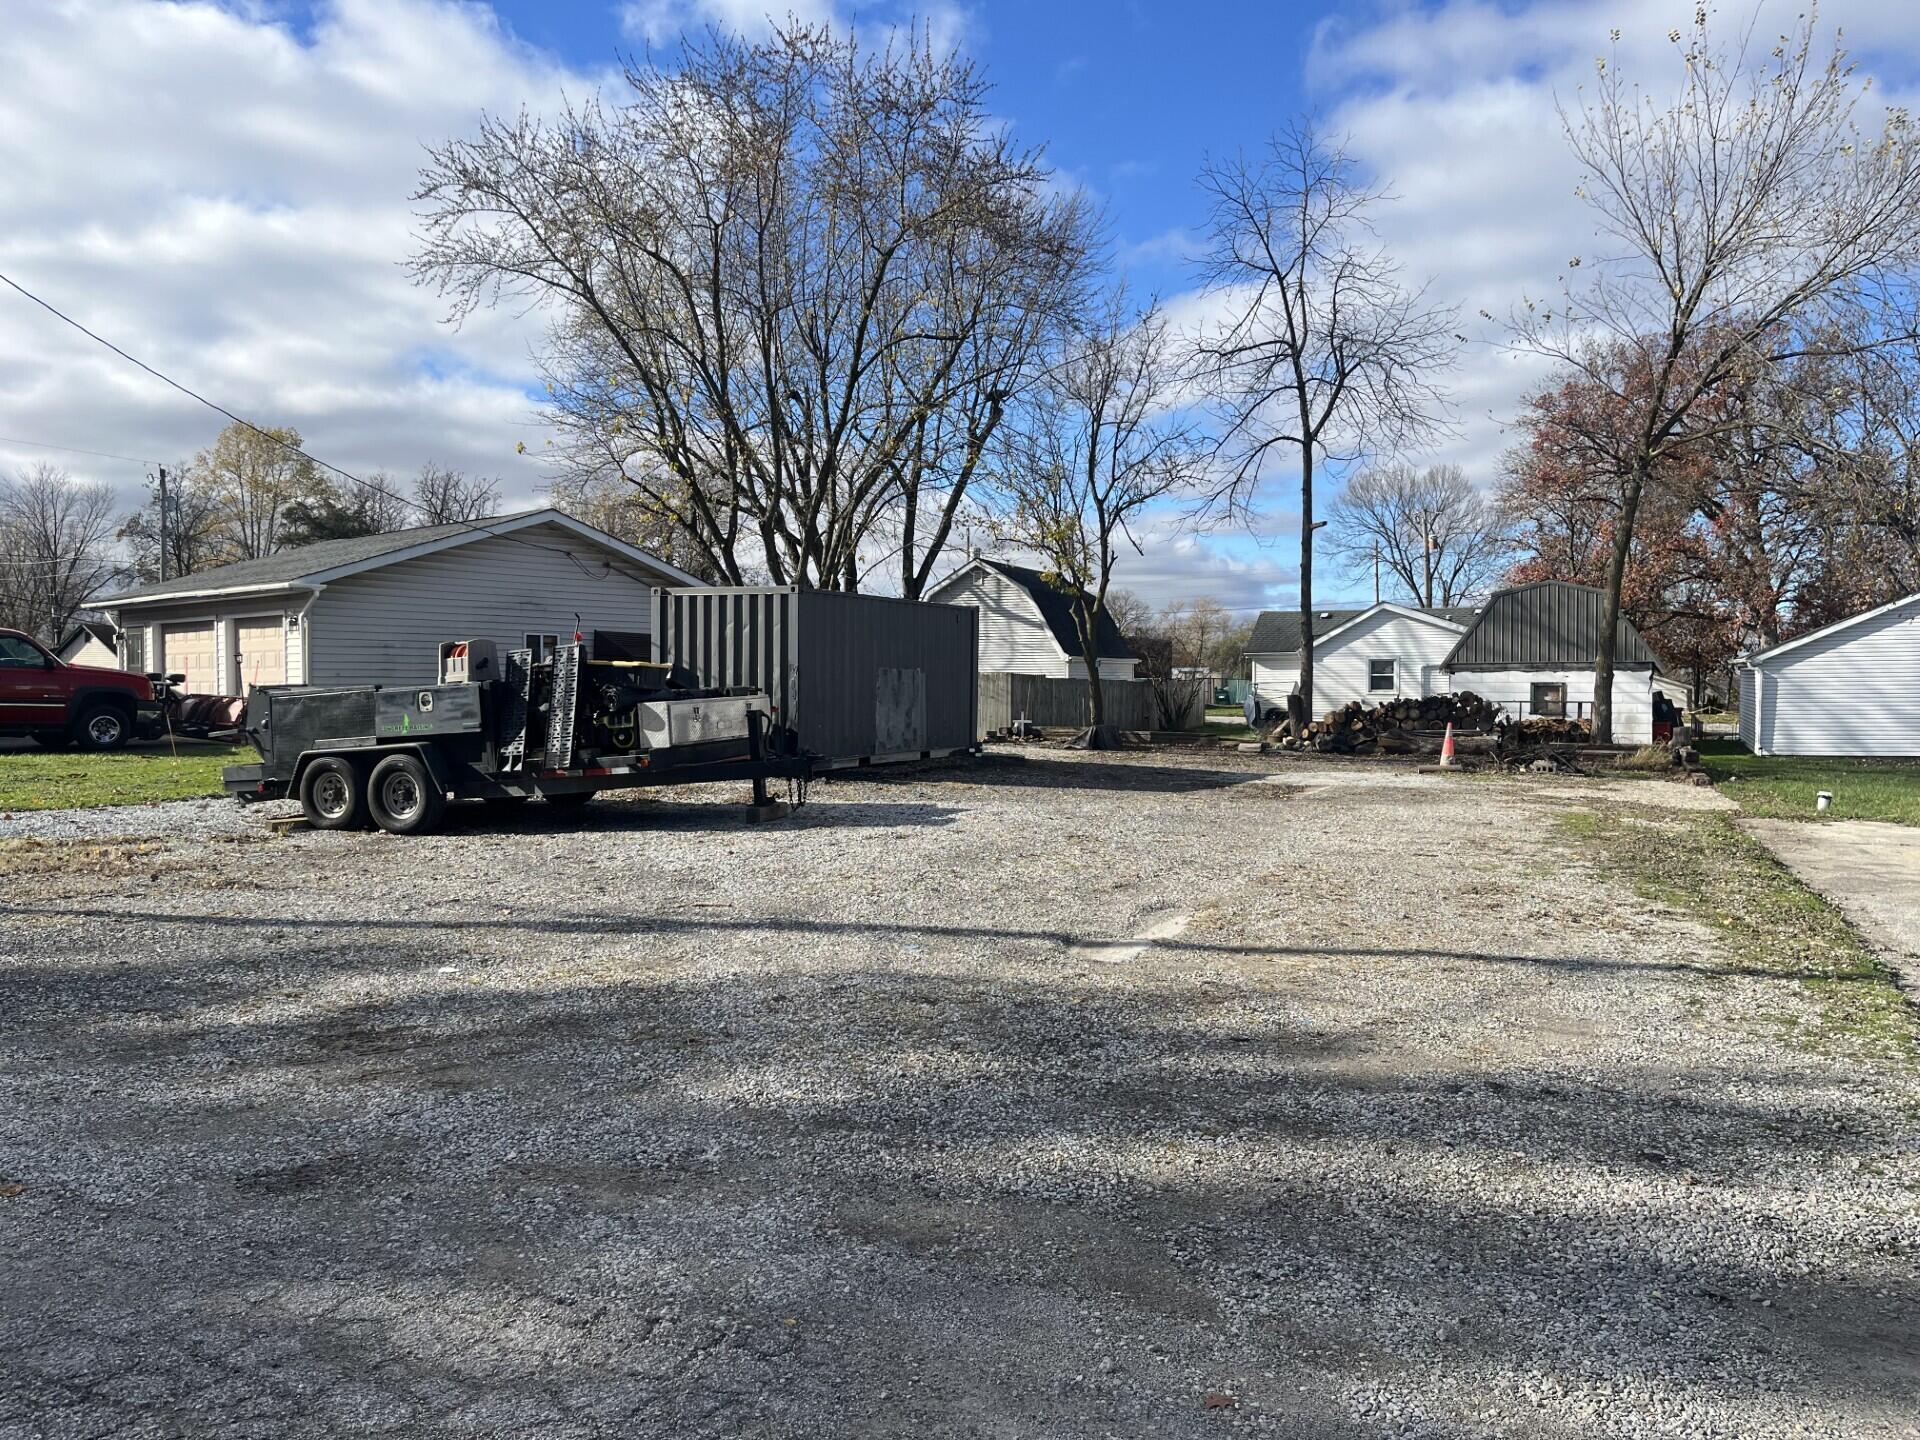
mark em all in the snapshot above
pixel 1057 1096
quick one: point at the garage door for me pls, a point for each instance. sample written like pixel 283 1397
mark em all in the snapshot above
pixel 188 650
pixel 262 644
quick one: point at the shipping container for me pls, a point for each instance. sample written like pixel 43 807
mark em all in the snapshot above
pixel 861 679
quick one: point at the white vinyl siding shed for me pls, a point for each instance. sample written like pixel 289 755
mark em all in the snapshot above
pixel 1014 635
pixel 1852 688
pixel 1415 643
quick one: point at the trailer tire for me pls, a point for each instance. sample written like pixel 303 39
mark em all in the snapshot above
pixel 403 797
pixel 332 796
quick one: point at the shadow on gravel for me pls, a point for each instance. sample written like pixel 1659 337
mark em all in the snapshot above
pixel 871 1200
pixel 35 973
pixel 613 816
pixel 1140 775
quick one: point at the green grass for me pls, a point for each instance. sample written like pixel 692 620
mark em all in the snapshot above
pixel 1784 786
pixel 59 780
pixel 1226 710
pixel 1769 922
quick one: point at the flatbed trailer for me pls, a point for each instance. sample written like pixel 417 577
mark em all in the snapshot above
pixel 559 728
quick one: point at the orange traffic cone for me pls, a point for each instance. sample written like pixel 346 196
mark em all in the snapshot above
pixel 1446 746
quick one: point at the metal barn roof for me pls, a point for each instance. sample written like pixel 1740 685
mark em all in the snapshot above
pixel 1548 625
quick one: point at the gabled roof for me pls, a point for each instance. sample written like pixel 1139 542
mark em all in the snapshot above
pixel 1547 625
pixel 100 630
pixel 1056 607
pixel 317 564
pixel 1277 632
pixel 1824 631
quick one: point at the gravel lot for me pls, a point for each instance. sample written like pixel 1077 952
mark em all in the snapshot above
pixel 884 1121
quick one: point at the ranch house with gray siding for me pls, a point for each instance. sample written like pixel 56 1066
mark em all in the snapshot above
pixel 374 609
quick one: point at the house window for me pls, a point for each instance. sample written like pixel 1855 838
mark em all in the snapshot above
pixel 1380 675
pixel 543 646
pixel 1550 701
pixel 133 649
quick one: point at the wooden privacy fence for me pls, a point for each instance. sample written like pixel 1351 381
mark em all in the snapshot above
pixel 1044 700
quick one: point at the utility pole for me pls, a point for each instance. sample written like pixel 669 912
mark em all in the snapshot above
pixel 1376 572
pixel 163 523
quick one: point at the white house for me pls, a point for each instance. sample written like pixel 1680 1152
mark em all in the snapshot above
pixel 1531 651
pixel 91 642
pixel 1385 651
pixel 374 609
pixel 1027 623
pixel 1852 688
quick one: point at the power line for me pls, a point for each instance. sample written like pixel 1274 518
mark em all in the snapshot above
pixel 474 525
pixel 76 450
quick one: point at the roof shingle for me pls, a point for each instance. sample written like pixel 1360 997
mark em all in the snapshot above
pixel 289 566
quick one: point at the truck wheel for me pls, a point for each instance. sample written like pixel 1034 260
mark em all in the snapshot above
pixel 102 726
pixel 403 797
pixel 331 795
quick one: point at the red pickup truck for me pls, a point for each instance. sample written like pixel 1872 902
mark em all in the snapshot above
pixel 60 704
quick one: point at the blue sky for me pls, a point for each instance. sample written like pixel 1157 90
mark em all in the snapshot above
pixel 222 187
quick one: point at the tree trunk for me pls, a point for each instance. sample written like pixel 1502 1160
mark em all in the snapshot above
pixel 1610 607
pixel 1306 580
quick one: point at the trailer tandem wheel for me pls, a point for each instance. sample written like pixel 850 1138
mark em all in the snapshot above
pixel 332 795
pixel 403 796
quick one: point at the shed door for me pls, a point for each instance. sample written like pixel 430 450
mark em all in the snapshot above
pixel 261 644
pixel 188 650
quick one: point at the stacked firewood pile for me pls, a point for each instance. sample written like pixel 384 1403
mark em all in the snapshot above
pixel 1399 727
pixel 1546 730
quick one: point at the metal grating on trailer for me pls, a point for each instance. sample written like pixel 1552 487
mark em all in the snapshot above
pixel 565 708
pixel 517 672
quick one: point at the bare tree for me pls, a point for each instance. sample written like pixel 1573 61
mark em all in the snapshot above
pixel 1131 613
pixel 1324 354
pixel 796 286
pixel 607 502
pixel 192 529
pixel 55 551
pixel 442 496
pixel 1095 445
pixel 1747 209
pixel 1437 535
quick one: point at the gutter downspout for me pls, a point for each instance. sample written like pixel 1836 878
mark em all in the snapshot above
pixel 306 637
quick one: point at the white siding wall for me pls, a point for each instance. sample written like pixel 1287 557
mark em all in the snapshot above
pixel 1273 678
pixel 1340 666
pixel 218 613
pixel 385 626
pixel 1013 637
pixel 91 652
pixel 1632 694
pixel 1850 693
pixel 1749 712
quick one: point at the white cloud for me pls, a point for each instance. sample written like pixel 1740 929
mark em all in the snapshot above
pixel 1452 107
pixel 229 202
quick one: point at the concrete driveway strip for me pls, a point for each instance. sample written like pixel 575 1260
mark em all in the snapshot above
pixel 1870 869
